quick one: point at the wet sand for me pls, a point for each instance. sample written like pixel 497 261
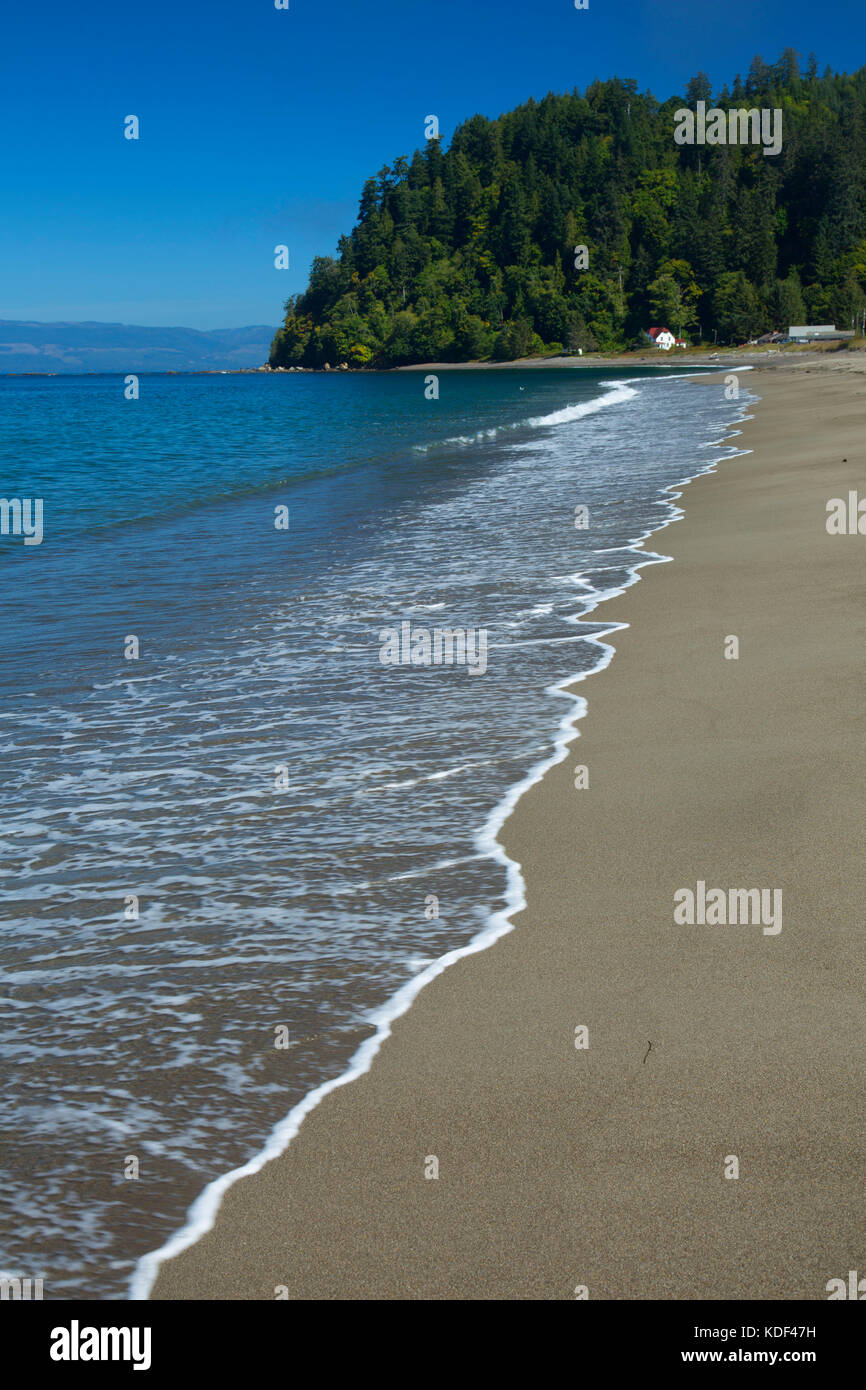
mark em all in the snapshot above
pixel 604 1167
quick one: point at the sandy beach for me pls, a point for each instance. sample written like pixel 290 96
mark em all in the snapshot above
pixel 603 1168
pixel 827 357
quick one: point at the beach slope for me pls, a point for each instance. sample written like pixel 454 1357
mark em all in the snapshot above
pixel 604 1167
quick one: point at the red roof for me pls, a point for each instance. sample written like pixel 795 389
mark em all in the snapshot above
pixel 653 332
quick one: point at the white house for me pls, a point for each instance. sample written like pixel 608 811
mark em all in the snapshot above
pixel 661 338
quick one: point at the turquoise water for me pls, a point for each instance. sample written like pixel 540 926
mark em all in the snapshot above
pixel 282 806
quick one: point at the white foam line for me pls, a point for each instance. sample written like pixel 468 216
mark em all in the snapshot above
pixel 202 1215
pixel 617 393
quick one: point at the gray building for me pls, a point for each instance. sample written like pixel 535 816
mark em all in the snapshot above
pixel 815 333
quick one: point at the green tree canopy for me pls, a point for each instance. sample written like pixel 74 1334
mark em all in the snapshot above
pixel 470 251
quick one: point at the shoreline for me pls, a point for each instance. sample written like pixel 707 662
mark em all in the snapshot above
pixel 312 1182
pixel 692 357
pixel 767 358
pixel 203 1212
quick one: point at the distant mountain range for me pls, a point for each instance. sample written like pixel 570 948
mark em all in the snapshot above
pixel 126 347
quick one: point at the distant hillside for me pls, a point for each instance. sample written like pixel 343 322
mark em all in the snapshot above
pixel 123 347
pixel 469 252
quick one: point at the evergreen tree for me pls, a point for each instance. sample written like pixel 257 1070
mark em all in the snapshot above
pixel 470 251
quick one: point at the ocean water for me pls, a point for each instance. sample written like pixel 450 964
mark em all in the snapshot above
pixel 254 832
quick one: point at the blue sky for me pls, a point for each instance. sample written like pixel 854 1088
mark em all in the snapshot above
pixel 259 126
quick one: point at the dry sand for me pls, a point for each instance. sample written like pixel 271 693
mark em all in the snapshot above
pixel 604 1167
pixel 791 357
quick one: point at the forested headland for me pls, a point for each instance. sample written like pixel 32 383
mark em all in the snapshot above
pixel 468 252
